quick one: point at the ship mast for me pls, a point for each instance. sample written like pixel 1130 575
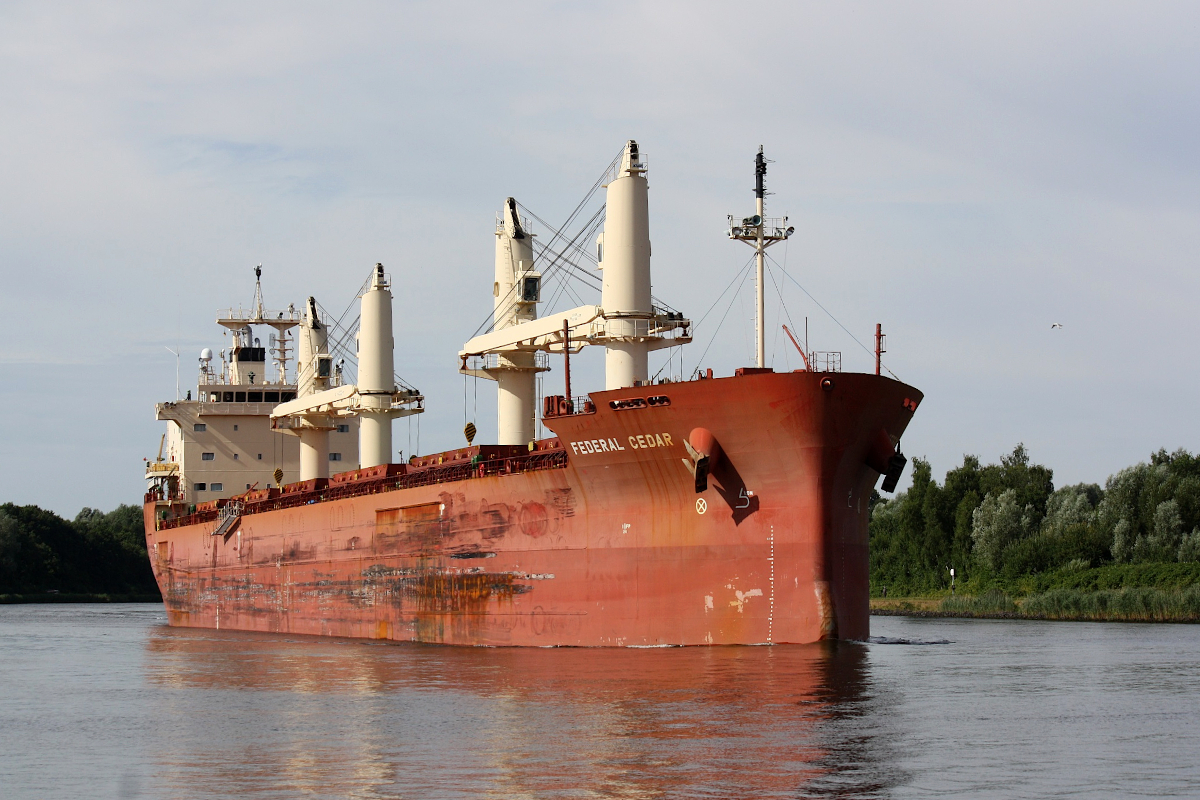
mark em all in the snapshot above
pixel 760 171
pixel 760 233
pixel 516 293
pixel 241 323
pixel 375 399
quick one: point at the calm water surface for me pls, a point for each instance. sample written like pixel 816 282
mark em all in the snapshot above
pixel 107 701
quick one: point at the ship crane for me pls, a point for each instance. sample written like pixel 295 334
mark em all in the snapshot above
pixel 375 399
pixel 626 322
pixel 516 292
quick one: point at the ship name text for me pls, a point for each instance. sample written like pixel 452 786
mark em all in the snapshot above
pixel 642 441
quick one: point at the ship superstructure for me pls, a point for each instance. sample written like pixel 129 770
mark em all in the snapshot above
pixel 221 443
pixel 711 510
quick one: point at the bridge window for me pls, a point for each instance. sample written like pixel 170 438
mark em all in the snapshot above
pixel 335 456
pixel 208 456
pixel 199 487
pixel 199 427
pixel 216 487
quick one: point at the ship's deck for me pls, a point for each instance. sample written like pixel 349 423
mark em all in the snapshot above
pixel 448 467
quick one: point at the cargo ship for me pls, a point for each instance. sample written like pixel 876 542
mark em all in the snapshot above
pixel 698 511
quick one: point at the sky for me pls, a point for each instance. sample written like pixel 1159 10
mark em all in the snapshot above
pixel 966 174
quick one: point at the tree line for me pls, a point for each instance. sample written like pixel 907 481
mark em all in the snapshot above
pixel 1001 524
pixel 96 553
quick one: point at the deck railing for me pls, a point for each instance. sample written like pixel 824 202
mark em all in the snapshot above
pixel 825 361
pixel 449 473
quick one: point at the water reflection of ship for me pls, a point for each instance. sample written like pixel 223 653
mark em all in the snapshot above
pixel 339 718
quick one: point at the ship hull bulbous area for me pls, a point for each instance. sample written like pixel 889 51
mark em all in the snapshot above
pixel 615 548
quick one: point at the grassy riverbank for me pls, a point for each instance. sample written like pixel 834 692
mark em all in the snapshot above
pixel 1114 592
pixel 1127 604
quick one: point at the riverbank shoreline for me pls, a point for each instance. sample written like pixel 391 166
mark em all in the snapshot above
pixel 1141 604
pixel 1017 615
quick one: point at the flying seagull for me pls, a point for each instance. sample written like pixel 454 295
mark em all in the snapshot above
pixel 1056 325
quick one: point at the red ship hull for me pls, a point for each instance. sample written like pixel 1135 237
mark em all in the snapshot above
pixel 614 548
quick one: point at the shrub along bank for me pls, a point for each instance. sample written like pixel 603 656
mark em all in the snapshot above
pixel 1128 604
pixel 1018 546
pixel 1134 604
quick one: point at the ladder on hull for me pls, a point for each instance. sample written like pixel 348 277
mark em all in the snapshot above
pixel 231 515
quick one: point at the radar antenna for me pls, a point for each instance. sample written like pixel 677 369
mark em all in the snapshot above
pixel 241 320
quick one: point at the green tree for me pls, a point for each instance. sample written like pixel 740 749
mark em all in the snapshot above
pixel 118 543
pixel 1147 508
pixel 919 534
pixel 997 524
pixel 1032 484
pixel 97 553
pixel 1189 547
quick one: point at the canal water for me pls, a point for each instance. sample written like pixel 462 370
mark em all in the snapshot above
pixel 107 701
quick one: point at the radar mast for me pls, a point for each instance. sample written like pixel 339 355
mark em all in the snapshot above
pixel 760 233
